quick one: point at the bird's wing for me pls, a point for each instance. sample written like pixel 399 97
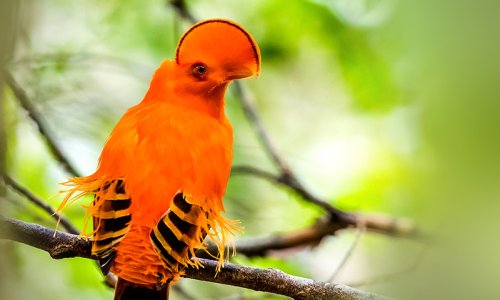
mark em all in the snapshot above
pixel 179 233
pixel 111 219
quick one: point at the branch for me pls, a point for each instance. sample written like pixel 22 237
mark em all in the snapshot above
pixel 360 231
pixel 64 245
pixel 40 203
pixel 301 238
pixel 275 281
pixel 289 181
pixel 287 176
pixel 313 235
pixel 248 107
pixel 340 220
pixel 57 244
pixel 33 113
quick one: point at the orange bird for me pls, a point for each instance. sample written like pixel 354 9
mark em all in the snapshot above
pixel 163 171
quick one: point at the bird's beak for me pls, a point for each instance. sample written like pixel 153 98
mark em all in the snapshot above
pixel 241 73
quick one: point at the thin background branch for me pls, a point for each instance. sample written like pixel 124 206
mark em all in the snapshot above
pixel 40 203
pixel 359 233
pixel 392 275
pixel 33 113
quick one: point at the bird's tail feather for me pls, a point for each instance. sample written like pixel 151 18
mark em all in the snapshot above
pixel 126 290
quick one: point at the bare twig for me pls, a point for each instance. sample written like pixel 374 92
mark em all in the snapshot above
pixel 313 235
pixel 287 176
pixel 388 276
pixel 63 245
pixel 33 113
pixel 40 203
pixel 249 109
pixel 306 237
pixel 372 222
pixel 389 225
pixel 290 181
pixel 359 232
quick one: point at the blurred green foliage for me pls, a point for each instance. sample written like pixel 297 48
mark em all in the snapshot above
pixel 378 105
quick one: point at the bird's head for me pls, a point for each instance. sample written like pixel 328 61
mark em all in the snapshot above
pixel 212 53
pixel 209 56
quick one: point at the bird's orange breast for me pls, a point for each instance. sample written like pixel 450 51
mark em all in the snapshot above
pixel 160 149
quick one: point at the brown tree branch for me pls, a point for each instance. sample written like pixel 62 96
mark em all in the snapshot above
pixel 57 244
pixel 287 176
pixel 253 117
pixel 340 220
pixel 312 236
pixel 289 181
pixel 306 237
pixel 276 281
pixel 64 245
pixel 33 113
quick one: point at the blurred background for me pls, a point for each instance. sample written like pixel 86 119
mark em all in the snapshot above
pixel 378 105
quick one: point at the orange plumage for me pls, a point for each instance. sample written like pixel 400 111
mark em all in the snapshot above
pixel 163 171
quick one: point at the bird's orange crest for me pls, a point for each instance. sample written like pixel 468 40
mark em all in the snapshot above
pixel 223 41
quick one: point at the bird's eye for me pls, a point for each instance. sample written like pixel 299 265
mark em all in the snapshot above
pixel 199 70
